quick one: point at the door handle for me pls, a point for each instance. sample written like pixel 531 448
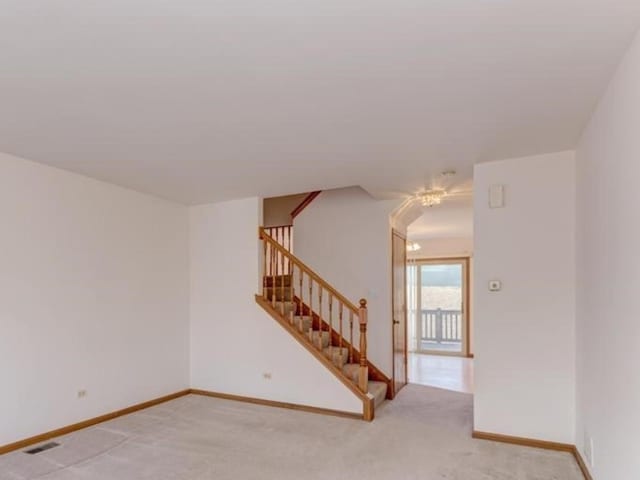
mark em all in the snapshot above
pixel 396 322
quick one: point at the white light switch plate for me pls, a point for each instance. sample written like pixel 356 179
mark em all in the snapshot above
pixel 495 285
pixel 496 196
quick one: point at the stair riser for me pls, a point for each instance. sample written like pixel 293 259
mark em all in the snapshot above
pixel 287 294
pixel 315 336
pixel 352 371
pixel 289 308
pixel 277 281
pixel 379 392
pixel 334 355
pixel 302 324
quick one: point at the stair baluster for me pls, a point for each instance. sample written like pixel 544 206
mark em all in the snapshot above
pixel 363 380
pixel 274 272
pixel 282 297
pixel 350 336
pixel 330 325
pixel 340 340
pixel 287 243
pixel 264 272
pixel 311 308
pixel 320 317
pixel 292 311
pixel 291 269
pixel 301 300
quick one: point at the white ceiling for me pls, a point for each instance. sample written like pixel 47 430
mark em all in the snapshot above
pixel 452 219
pixel 199 101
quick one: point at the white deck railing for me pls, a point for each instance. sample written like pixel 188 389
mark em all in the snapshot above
pixel 440 326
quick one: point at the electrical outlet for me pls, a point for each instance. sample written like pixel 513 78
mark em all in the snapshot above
pixel 82 393
pixel 588 449
pixel 266 375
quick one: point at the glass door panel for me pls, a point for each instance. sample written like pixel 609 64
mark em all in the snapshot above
pixel 437 307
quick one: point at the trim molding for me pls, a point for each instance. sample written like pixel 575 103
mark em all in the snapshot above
pixel 582 464
pixel 530 442
pixel 141 406
pixel 88 423
pixel 304 204
pixel 526 442
pixel 273 403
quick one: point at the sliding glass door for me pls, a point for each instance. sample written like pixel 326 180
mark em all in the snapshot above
pixel 437 299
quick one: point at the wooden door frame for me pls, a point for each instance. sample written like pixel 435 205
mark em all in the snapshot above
pixel 396 233
pixel 466 310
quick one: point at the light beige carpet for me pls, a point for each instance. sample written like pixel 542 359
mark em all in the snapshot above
pixel 423 434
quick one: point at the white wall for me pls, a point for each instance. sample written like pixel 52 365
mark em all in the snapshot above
pixel 93 295
pixel 345 236
pixel 525 334
pixel 608 277
pixel 233 340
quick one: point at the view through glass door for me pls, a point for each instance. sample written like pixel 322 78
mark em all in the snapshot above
pixel 437 300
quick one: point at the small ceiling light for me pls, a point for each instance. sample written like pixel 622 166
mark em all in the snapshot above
pixel 413 247
pixel 431 197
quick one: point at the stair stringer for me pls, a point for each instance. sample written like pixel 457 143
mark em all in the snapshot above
pixel 364 402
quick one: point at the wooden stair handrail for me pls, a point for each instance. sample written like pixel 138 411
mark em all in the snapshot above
pixel 300 264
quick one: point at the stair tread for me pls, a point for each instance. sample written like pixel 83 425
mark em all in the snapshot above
pixel 289 308
pixel 333 349
pixel 316 333
pixel 280 294
pixel 288 304
pixel 378 390
pixel 376 385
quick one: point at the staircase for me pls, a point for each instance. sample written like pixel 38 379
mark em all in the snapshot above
pixel 320 318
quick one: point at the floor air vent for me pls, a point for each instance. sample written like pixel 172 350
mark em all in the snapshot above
pixel 42 448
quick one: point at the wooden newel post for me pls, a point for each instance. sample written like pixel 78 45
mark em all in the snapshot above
pixel 363 378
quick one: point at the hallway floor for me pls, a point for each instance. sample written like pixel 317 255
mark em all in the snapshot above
pixel 442 371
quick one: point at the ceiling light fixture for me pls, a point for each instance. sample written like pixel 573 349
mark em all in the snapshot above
pixel 413 247
pixel 431 197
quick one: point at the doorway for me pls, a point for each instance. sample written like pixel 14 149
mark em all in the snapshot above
pixel 399 301
pixel 438 310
